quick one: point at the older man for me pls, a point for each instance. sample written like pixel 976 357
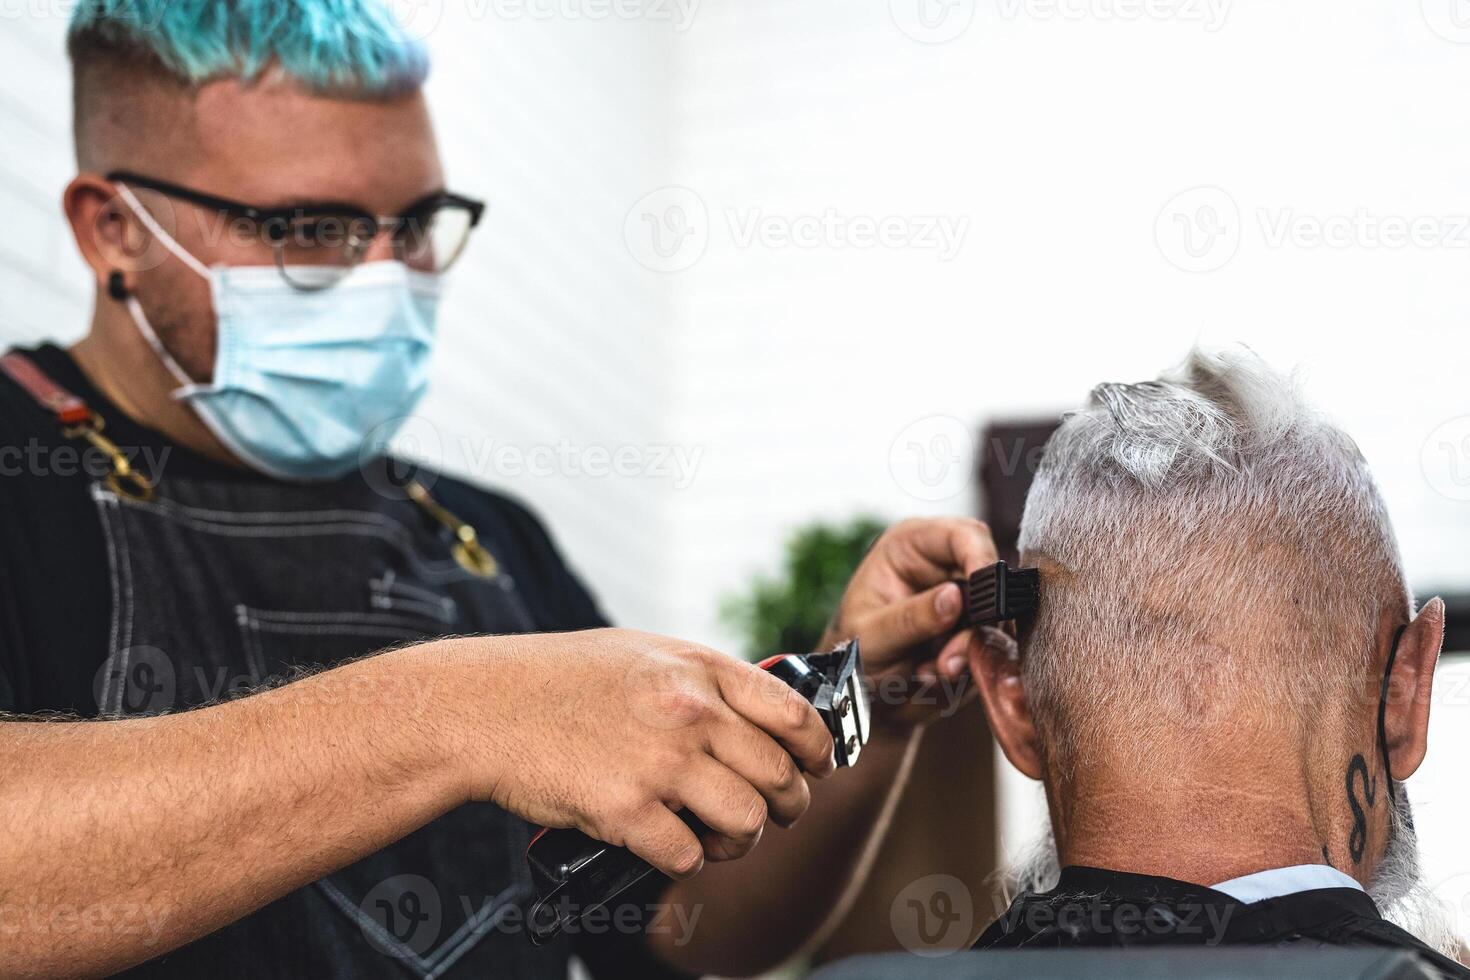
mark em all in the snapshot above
pixel 204 510
pixel 1226 683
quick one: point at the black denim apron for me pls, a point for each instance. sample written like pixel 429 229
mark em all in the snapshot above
pixel 222 586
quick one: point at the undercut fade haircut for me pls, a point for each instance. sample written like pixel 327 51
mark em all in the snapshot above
pixel 343 47
pixel 1216 563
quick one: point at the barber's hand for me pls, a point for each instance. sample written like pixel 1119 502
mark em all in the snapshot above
pixel 901 606
pixel 615 731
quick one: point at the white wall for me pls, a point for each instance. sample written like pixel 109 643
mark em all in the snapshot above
pixel 1049 140
pixel 1063 141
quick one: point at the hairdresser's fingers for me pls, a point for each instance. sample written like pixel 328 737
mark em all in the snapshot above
pixel 898 626
pixel 659 837
pixel 731 809
pixel 953 661
pixel 932 550
pixel 758 759
pixel 764 701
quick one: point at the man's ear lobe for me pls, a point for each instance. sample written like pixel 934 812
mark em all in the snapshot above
pixel 1406 717
pixel 995 664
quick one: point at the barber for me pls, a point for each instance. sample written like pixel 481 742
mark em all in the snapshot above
pixel 204 511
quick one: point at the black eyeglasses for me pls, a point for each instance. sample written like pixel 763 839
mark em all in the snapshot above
pixel 315 245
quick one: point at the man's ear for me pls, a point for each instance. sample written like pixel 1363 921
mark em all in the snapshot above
pixel 1406 718
pixel 109 236
pixel 995 664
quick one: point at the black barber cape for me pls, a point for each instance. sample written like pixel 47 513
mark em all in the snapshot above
pixel 1094 907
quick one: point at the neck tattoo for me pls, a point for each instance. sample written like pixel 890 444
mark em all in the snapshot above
pixel 1357 778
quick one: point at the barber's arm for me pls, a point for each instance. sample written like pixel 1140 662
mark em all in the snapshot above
pixel 165 829
pixel 788 894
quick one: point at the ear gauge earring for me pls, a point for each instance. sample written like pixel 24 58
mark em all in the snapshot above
pixel 116 288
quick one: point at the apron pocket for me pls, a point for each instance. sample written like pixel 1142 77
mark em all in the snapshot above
pixel 280 644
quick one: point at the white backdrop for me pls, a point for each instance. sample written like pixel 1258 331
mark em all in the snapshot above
pixel 785 256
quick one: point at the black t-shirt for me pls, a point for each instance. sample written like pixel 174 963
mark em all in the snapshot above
pixel 55 593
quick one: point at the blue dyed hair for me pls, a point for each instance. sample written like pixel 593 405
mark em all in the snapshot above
pixel 348 46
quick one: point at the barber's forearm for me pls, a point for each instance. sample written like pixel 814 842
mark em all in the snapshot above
pixel 124 839
pixel 794 888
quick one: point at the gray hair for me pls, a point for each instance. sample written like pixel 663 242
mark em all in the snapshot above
pixel 1208 543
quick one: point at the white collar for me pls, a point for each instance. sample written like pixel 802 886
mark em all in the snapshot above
pixel 1275 882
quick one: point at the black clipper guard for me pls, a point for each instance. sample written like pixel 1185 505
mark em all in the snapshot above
pixel 998 594
pixel 575 874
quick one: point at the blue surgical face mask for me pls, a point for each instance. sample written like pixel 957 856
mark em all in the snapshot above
pixel 303 379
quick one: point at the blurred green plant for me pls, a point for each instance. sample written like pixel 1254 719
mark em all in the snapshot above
pixel 788 612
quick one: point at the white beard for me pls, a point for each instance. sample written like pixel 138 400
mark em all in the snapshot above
pixel 1397 887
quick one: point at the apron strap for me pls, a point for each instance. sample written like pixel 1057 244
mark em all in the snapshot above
pixel 67 407
pixel 77 421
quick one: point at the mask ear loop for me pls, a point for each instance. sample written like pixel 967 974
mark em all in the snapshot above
pixel 1393 652
pixel 140 319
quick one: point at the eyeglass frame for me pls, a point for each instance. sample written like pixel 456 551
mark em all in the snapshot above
pixel 350 213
